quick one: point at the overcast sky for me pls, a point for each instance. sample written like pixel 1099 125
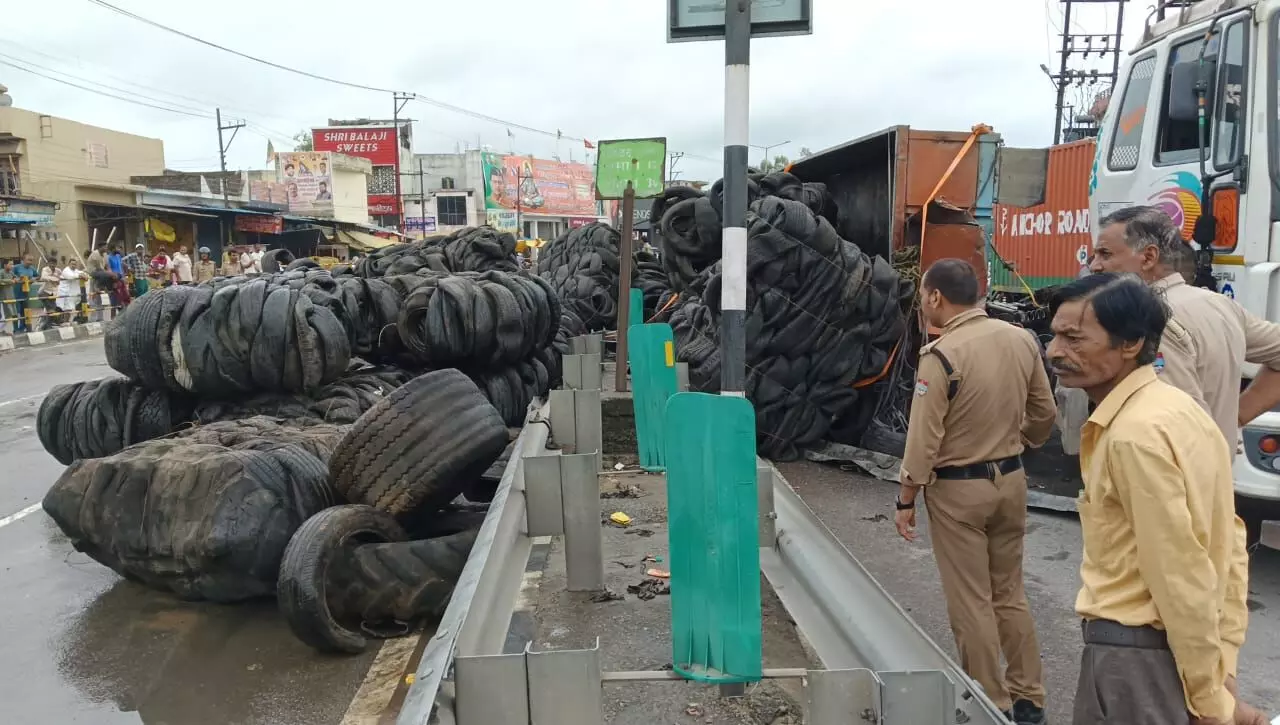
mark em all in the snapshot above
pixel 590 68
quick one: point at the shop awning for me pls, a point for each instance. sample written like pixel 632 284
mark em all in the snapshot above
pixel 15 220
pixel 154 209
pixel 362 241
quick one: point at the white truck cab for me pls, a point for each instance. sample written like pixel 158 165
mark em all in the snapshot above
pixel 1191 128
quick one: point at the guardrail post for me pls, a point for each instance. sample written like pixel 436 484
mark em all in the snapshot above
pixel 564 427
pixel 682 377
pixel 840 697
pixel 927 697
pixel 544 507
pixel 588 427
pixel 564 687
pixel 582 372
pixel 583 541
pixel 764 490
pixel 492 689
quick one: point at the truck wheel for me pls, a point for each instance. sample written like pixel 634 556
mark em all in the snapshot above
pixel 420 447
pixel 307 576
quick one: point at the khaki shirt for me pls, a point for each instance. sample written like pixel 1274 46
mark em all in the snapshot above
pixel 206 270
pixel 1223 336
pixel 1003 401
pixel 1158 518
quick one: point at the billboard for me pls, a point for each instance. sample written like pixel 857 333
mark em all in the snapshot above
pixel 269 192
pixel 538 186
pixel 376 143
pixel 383 204
pixel 307 181
pixel 503 221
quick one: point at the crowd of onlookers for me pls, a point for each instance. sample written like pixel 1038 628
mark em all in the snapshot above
pixel 36 293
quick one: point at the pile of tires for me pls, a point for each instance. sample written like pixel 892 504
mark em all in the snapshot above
pixel 582 267
pixel 263 432
pixel 821 314
pixel 229 338
pixel 101 417
pixel 474 249
pixel 206 522
pixel 340 402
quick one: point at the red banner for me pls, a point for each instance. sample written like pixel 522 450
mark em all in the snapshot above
pixel 376 143
pixel 380 204
pixel 579 222
pixel 259 224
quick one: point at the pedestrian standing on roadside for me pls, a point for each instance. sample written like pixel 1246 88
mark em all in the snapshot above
pixel 135 267
pixel 27 278
pixel 182 266
pixel 246 263
pixel 1156 514
pixel 162 268
pixel 205 268
pixel 1202 353
pixel 69 290
pixel 114 263
pixel 982 395
pixel 8 303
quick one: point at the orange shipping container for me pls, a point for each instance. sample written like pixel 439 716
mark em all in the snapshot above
pixel 1048 243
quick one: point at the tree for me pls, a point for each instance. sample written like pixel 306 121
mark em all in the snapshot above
pixel 804 151
pixel 302 141
pixel 778 163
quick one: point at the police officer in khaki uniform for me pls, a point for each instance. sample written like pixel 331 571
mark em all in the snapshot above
pixel 982 394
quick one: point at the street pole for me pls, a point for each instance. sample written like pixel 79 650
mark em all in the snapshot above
pixel 737 126
pixel 422 199
pixel 624 286
pixel 1062 72
pixel 234 128
pixel 398 102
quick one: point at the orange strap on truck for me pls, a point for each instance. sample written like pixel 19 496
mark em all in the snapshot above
pixel 980 129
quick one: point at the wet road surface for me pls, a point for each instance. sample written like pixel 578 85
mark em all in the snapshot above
pixel 81 645
pixel 859 511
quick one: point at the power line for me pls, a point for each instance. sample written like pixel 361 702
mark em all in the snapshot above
pixel 359 86
pixel 104 93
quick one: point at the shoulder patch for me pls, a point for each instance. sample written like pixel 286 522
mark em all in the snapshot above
pixel 922 387
pixel 1159 363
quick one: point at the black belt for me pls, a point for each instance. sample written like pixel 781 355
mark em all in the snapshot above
pixel 1114 634
pixel 985 470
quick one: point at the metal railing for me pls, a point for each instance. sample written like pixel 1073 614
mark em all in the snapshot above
pixel 879 666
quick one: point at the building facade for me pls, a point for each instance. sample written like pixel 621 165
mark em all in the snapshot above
pixel 78 172
pixel 387 145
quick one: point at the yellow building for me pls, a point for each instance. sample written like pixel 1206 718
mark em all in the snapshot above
pixel 84 169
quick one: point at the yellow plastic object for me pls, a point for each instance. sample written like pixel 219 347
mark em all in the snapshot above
pixel 620 518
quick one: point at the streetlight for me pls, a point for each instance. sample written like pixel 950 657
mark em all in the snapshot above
pixel 767 148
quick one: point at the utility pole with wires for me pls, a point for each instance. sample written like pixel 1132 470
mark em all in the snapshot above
pixel 399 100
pixel 1106 46
pixel 234 128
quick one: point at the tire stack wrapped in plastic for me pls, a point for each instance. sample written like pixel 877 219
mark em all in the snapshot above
pixel 821 314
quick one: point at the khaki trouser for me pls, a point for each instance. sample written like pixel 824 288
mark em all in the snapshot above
pixel 977 527
pixel 1128 686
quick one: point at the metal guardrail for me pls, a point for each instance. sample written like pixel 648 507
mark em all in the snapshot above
pixel 880 665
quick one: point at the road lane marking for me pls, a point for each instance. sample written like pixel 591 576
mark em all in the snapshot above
pixel 22 400
pixel 380 683
pixel 20 515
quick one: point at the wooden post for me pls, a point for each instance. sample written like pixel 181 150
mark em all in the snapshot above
pixel 624 285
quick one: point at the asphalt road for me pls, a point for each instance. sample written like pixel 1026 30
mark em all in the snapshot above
pixel 859 511
pixel 81 645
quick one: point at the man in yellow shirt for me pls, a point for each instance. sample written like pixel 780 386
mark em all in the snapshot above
pixel 1157 515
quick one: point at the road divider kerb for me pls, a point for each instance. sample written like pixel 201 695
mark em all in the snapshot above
pixel 62 334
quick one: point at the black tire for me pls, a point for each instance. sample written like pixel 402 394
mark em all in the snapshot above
pixel 303 586
pixel 420 447
pixel 394 585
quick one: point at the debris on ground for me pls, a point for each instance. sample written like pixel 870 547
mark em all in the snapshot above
pixel 649 588
pixel 876 518
pixel 642 533
pixel 606 595
pixel 623 490
pixel 619 518
pixel 693 710
pixel 658 573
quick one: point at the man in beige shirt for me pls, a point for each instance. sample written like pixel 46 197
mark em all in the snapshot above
pixel 981 396
pixel 1157 515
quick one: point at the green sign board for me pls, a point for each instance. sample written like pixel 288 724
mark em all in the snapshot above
pixel 642 161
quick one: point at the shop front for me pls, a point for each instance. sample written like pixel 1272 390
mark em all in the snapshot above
pixel 26 224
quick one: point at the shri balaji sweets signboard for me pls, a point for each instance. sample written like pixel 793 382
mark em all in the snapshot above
pixel 376 143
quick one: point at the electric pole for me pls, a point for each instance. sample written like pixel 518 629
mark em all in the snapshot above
pixel 422 197
pixel 398 102
pixel 1082 45
pixel 234 128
